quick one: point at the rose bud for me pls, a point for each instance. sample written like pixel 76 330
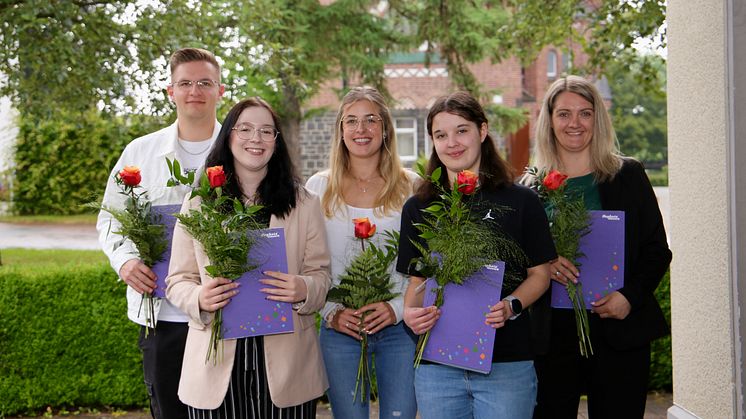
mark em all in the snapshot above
pixel 130 175
pixel 363 228
pixel 216 176
pixel 467 181
pixel 554 180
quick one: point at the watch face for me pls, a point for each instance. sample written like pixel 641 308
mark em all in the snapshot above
pixel 516 306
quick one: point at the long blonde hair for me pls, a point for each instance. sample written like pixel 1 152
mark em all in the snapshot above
pixel 606 160
pixel 397 186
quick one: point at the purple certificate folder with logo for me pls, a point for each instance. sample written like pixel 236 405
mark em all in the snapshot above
pixel 602 267
pixel 161 268
pixel 249 313
pixel 460 338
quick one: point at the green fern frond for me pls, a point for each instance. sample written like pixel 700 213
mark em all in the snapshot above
pixel 367 279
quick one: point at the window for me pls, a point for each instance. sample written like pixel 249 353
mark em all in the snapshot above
pixel 566 62
pixel 552 64
pixel 406 137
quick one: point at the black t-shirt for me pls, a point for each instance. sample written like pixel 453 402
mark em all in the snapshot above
pixel 524 219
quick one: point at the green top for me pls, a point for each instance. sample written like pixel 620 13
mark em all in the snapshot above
pixel 585 185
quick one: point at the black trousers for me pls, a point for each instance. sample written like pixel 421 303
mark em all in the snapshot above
pixel 162 355
pixel 615 381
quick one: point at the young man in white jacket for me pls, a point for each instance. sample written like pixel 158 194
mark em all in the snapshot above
pixel 195 89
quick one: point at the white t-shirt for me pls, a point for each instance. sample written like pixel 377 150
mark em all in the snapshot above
pixel 192 154
pixel 343 246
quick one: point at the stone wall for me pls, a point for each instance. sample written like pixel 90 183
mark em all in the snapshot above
pixel 316 133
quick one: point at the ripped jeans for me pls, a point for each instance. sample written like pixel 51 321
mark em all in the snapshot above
pixel 393 349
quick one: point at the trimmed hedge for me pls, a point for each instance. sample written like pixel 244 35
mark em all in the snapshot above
pixel 64 161
pixel 660 350
pixel 65 340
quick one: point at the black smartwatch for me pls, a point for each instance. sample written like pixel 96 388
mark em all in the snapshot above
pixel 515 306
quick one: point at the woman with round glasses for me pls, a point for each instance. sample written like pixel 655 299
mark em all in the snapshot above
pixel 267 376
pixel 365 179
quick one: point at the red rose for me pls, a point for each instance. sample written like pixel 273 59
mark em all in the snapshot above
pixel 363 228
pixel 130 175
pixel 554 180
pixel 467 181
pixel 216 175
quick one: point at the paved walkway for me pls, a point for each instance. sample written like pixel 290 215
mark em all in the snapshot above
pixel 658 404
pixel 48 236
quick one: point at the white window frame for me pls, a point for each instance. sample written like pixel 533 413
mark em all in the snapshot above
pixel 552 64
pixel 566 61
pixel 413 131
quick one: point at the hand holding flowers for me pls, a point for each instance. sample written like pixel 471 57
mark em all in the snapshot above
pixel 458 242
pixel 140 225
pixel 365 287
pixel 221 225
pixel 568 222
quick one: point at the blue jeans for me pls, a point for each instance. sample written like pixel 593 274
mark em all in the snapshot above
pixel 393 348
pixel 507 392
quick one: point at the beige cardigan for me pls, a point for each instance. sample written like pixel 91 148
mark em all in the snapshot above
pixel 295 368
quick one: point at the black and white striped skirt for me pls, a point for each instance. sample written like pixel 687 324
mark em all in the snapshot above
pixel 248 392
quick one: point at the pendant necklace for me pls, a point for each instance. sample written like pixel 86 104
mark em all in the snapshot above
pixel 365 182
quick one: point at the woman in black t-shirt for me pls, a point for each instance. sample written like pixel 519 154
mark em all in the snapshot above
pixel 459 130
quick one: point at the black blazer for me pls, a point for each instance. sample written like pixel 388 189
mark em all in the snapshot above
pixel 646 257
pixel 646 260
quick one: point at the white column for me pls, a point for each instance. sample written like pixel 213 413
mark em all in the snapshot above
pixel 704 291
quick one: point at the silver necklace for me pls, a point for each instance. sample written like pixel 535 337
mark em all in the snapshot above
pixel 364 189
pixel 199 153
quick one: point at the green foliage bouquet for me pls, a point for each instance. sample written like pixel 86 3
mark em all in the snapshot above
pixel 568 222
pixel 141 226
pixel 365 281
pixel 459 241
pixel 221 224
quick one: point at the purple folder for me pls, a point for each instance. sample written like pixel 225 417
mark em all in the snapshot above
pixel 161 268
pixel 249 313
pixel 602 267
pixel 460 338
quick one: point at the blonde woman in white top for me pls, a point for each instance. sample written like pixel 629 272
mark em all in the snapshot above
pixel 365 179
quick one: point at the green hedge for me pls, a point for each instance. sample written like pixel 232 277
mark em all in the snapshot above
pixel 658 177
pixel 65 340
pixel 660 357
pixel 64 161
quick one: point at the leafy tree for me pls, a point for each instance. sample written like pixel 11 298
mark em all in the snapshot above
pixel 68 58
pixel 465 32
pixel 68 54
pixel 294 46
pixel 639 107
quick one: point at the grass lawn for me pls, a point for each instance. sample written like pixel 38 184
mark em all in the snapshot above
pixel 49 219
pixel 49 258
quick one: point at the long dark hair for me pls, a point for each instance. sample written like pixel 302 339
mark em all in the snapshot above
pixel 278 191
pixel 494 172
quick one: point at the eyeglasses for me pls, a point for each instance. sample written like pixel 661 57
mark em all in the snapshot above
pixel 352 122
pixel 205 84
pixel 246 132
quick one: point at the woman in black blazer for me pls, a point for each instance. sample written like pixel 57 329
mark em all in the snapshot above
pixel 574 135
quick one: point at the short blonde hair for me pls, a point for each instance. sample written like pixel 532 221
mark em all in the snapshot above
pixel 397 186
pixel 606 160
